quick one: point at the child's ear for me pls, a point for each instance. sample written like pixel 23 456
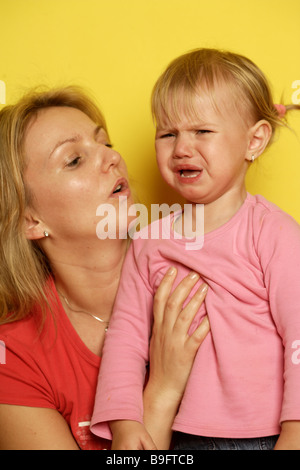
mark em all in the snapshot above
pixel 260 135
pixel 33 227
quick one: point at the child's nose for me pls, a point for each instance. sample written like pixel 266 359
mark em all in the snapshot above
pixel 183 147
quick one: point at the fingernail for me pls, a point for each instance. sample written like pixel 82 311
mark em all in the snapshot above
pixel 193 275
pixel 171 271
pixel 204 288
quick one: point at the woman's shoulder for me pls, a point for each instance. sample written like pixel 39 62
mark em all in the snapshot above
pixel 24 332
pixel 30 329
pixel 23 372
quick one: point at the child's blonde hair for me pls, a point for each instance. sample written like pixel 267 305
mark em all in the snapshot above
pixel 205 69
pixel 24 268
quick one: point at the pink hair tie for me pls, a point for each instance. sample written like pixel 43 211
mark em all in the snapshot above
pixel 281 109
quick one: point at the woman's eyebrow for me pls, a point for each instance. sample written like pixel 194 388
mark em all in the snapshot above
pixel 97 130
pixel 73 139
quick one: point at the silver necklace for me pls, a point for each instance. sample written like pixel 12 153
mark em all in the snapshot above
pixel 83 311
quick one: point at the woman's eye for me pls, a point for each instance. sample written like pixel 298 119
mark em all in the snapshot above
pixel 74 162
pixel 203 131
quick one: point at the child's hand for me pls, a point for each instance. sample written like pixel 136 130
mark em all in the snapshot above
pixel 289 438
pixel 130 435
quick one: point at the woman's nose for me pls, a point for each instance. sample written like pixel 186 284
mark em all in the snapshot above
pixel 110 159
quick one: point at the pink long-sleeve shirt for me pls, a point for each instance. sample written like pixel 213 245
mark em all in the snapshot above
pixel 246 376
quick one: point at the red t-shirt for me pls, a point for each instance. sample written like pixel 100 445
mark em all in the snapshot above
pixel 52 369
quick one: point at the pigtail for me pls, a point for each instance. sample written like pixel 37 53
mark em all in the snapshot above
pixel 283 109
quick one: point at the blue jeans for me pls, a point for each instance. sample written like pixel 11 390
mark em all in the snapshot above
pixel 189 442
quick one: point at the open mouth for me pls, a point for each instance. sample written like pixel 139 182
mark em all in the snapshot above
pixel 189 173
pixel 121 187
pixel 118 189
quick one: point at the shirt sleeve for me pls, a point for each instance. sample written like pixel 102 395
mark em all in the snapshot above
pixel 125 355
pixel 22 381
pixel 279 251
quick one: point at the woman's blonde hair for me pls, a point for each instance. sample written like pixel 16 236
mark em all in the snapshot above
pixel 24 268
pixel 202 70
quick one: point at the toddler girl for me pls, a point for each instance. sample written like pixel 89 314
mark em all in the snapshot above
pixel 214 116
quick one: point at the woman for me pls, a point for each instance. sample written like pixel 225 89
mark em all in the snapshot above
pixel 58 280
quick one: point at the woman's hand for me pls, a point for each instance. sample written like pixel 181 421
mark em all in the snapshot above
pixel 172 352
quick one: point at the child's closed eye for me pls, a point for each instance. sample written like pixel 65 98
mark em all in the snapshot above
pixel 166 135
pixel 204 131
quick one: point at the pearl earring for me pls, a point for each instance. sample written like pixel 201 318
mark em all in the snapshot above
pixel 46 233
pixel 252 158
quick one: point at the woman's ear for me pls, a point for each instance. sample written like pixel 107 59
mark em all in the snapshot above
pixel 260 135
pixel 33 227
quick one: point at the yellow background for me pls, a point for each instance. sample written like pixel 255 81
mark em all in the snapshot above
pixel 117 48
